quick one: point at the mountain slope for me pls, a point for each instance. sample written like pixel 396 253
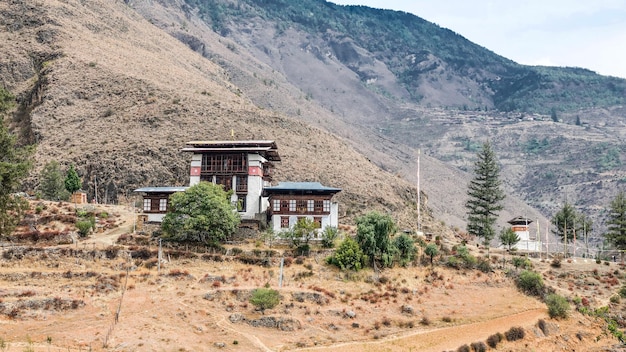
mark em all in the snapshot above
pixel 344 78
pixel 116 96
pixel 432 65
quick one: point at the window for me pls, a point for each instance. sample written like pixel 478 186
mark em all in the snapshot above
pixel 310 206
pixel 317 220
pixel 276 205
pixel 241 203
pixel 319 206
pixel 284 205
pixel 301 204
pixel 163 204
pixel 326 205
pixel 292 205
pixel 147 203
pixel 284 222
pixel 225 181
pixel 224 163
pixel 242 183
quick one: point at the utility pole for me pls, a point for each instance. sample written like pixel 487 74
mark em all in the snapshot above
pixel 419 196
pixel 159 256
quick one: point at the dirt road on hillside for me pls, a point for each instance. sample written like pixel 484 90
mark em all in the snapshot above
pixel 442 339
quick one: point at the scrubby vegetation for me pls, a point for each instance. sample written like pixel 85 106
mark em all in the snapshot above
pixel 558 307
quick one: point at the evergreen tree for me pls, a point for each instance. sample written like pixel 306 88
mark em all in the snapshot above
pixel 509 238
pixel 616 233
pixel 72 181
pixel 14 166
pixel 203 213
pixel 485 196
pixel 406 248
pixel 566 222
pixel 431 251
pixel 51 184
pixel 553 115
pixel 585 226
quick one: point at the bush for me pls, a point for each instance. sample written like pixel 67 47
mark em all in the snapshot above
pixel 464 348
pixel 558 307
pixel 494 340
pixel 83 226
pixel 530 283
pixel 479 346
pixel 265 298
pixel 515 333
pixel 329 235
pixel 348 256
pixel 484 265
pixel 622 291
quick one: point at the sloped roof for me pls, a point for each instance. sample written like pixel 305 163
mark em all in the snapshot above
pixel 161 189
pixel 300 187
pixel 266 148
pixel 520 220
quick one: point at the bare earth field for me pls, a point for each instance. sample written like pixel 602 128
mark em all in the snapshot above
pixel 66 297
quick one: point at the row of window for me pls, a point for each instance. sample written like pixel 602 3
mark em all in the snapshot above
pixel 227 182
pixel 301 205
pixel 284 222
pixel 224 163
pixel 154 204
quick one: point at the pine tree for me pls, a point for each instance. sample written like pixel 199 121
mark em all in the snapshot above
pixel 485 196
pixel 51 182
pixel 566 222
pixel 72 181
pixel 616 233
pixel 14 166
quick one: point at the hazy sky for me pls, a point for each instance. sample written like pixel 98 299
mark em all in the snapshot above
pixel 581 33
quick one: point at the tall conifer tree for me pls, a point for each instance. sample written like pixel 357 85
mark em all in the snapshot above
pixel 15 162
pixel 616 233
pixel 485 196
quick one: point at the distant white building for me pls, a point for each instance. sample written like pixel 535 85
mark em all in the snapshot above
pixel 521 226
pixel 290 201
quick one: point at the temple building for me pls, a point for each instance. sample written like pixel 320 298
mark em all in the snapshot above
pixel 521 226
pixel 246 168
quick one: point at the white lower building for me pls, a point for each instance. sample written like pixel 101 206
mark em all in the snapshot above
pixel 291 201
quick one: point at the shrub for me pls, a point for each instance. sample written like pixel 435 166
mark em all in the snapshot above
pixel 265 298
pixel 515 333
pixel 464 348
pixel 348 256
pixel 479 346
pixel 484 265
pixel 494 340
pixel 558 307
pixel 530 282
pixel 622 291
pixel 329 235
pixel 83 226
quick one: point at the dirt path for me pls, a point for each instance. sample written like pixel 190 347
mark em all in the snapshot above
pixel 442 339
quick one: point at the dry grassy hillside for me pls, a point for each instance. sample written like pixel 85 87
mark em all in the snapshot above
pixel 106 292
pixel 104 89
